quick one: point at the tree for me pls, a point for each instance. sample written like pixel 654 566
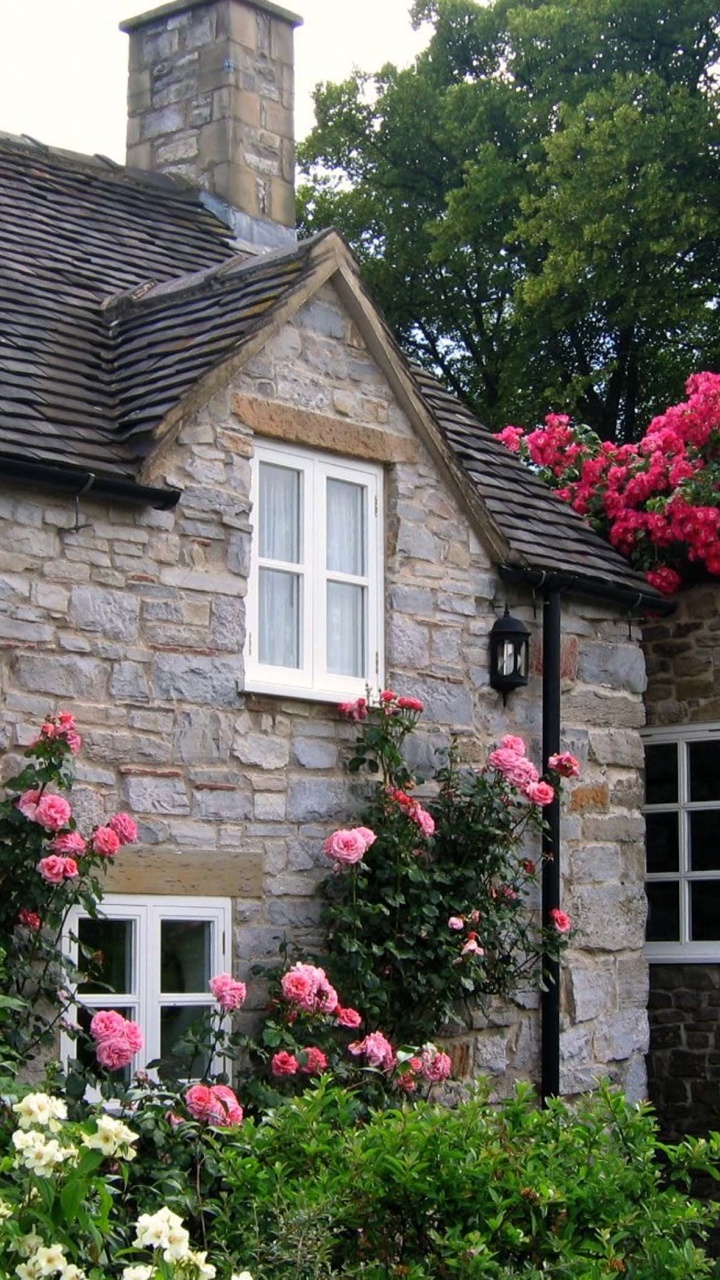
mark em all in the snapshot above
pixel 536 201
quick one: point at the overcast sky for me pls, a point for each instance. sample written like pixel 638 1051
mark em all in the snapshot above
pixel 63 63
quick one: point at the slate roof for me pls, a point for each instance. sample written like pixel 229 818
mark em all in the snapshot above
pixel 119 290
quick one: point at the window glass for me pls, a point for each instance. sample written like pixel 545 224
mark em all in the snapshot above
pixel 279 534
pixel 661 773
pixel 346 629
pixel 704 839
pixel 346 539
pixel 704 763
pixel 177 1021
pixel 663 923
pixel 705 910
pixel 280 618
pixel 661 840
pixel 185 951
pixel 110 947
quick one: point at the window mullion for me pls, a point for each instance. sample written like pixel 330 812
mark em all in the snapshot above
pixel 320 574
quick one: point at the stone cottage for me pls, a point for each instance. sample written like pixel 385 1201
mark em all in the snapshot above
pixel 227 502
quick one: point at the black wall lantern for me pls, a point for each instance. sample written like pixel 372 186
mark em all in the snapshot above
pixel 509 650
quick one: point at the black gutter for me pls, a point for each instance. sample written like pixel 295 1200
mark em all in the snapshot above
pixel 77 483
pixel 550 996
pixel 582 584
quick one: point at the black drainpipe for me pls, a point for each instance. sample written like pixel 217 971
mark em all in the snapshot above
pixel 552 586
pixel 550 997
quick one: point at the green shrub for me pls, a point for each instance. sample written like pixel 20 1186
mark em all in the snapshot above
pixel 497 1193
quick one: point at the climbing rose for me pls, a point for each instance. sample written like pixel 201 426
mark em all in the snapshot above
pixel 347 1017
pixel 376 1049
pixel 511 743
pixel 315 1062
pixel 410 704
pixel 349 846
pixel 472 946
pixel 125 827
pixel 422 819
pixel 117 1039
pixel 664 579
pixel 565 764
pixel 115 1053
pixel 53 812
pixel 30 919
pixel 213 1104
pixel 106 1023
pixel 284 1064
pixel 68 842
pixel 436 1066
pixel 307 988
pixel 356 710
pixel 561 921
pixel 540 793
pixel 28 803
pixel 229 993
pixel 105 841
pixel 55 869
pixel 457 923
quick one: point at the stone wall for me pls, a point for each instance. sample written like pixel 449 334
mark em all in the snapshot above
pixel 136 620
pixel 684 1059
pixel 683 661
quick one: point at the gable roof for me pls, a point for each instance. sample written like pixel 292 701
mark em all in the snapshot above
pixel 120 293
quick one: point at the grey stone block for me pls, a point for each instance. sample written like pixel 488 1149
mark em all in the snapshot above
pixel 202 736
pixel 195 678
pixel 150 794
pixel 129 680
pixel 310 800
pixel 315 753
pixel 592 991
pixel 113 613
pixel 221 806
pixel 620 666
pixel 620 1035
pixel 262 749
pixel 408 643
pixel 67 676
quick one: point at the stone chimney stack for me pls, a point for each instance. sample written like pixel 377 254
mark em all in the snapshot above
pixel 210 99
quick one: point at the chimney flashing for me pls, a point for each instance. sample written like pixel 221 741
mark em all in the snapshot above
pixel 182 6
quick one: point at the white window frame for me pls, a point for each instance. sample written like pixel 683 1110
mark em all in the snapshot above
pixel 684 951
pixel 312 679
pixel 144 1002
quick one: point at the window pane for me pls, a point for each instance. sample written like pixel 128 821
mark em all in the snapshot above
pixel 705 840
pixel 705 910
pixel 279 515
pixel 185 952
pixel 661 842
pixel 111 945
pixel 177 1021
pixel 704 759
pixel 663 924
pixel 661 773
pixel 346 629
pixel 279 618
pixel 346 527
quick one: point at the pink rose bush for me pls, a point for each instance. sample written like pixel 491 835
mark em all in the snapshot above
pixel 214 1104
pixel 347 847
pixel 117 1039
pixel 229 993
pixel 656 500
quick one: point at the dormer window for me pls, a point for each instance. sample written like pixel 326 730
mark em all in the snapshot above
pixel 314 611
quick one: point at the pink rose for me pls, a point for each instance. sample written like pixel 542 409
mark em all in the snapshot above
pixel 55 869
pixel 284 1064
pixel 68 842
pixel 74 741
pixel 540 793
pixel 124 826
pixel 199 1101
pixel 512 743
pixel 457 923
pixel 411 704
pixel 356 710
pixel 225 1109
pixel 30 919
pixel 561 920
pixel 28 803
pixel 347 1017
pixel 472 947
pixel 229 993
pixel 565 764
pixel 106 1023
pixel 299 987
pixel 436 1066
pixel 315 1062
pixel 376 1049
pixel 348 847
pixel 388 695
pixel 115 1053
pixel 105 841
pixel 53 812
pixel 422 819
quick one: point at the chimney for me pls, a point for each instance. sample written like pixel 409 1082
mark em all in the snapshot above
pixel 210 99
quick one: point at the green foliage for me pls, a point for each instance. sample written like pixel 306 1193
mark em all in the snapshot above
pixel 422 925
pixel 493 1192
pixel 535 203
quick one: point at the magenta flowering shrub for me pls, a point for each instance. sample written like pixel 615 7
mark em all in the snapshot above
pixel 657 501
pixel 46 866
pixel 429 904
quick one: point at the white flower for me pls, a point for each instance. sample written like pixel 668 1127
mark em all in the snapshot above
pixel 25 1245
pixel 41 1110
pixel 113 1138
pixel 178 1242
pixel 241 1275
pixel 37 1154
pixel 163 1230
pixel 28 1270
pixel 138 1273
pixel 203 1270
pixel 50 1259
pixel 6 1210
pixel 71 1272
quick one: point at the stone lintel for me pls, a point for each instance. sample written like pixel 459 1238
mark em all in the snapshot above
pixel 182 6
pixel 166 869
pixel 321 431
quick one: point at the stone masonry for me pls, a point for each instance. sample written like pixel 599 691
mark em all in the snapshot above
pixel 210 99
pixel 135 620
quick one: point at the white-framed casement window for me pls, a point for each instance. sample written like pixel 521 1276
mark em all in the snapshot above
pixel 682 815
pixel 153 958
pixel 315 600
